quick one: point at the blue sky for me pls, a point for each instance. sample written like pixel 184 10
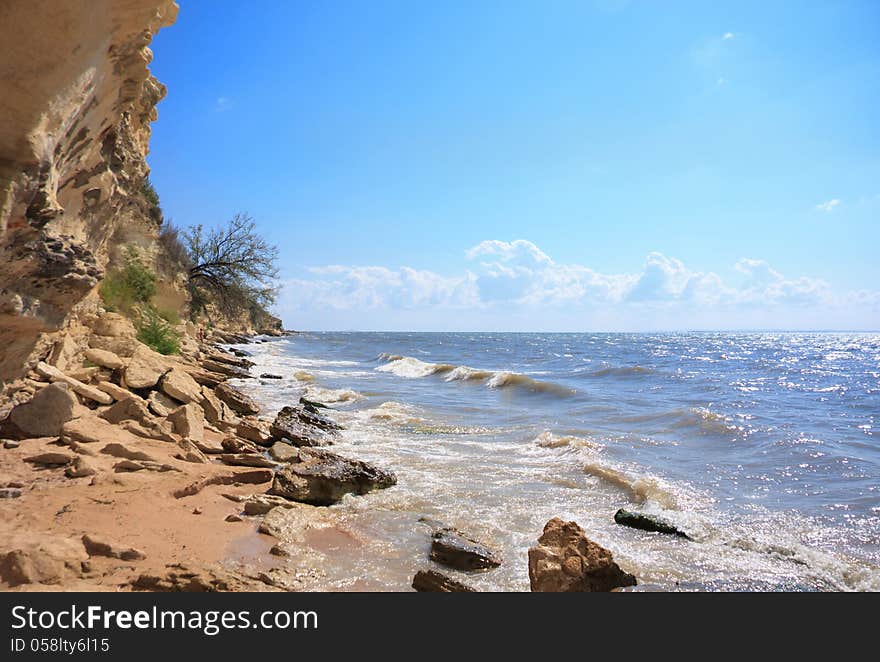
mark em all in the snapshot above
pixel 536 165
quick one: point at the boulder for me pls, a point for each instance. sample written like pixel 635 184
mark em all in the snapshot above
pixel 255 430
pixel 260 504
pixel 100 546
pixel 121 450
pixel 284 453
pixel 160 404
pixel 225 369
pixel 145 369
pixel 431 581
pixel 189 422
pixel 566 561
pixel 179 385
pixel 298 426
pixel 43 416
pixel 86 391
pixel 136 409
pixel 450 547
pixel 88 430
pixel 32 558
pixel 321 478
pixel 647 522
pixel 211 444
pixel 269 375
pixel 113 325
pixel 189 452
pixel 217 412
pixel 237 401
pixel 105 359
pixel 232 517
pixel 159 430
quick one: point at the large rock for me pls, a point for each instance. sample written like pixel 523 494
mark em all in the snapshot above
pixel 431 581
pixel 255 430
pixel 113 325
pixel 135 409
pixel 51 458
pixel 160 404
pixel 321 478
pixel 50 408
pixel 145 369
pixel 88 430
pixel 217 412
pixel 116 392
pixel 55 375
pixel 99 546
pixel 565 560
pixel 32 558
pixel 104 359
pixel 238 401
pixel 189 422
pixel 303 428
pixel 247 460
pixel 450 547
pixel 225 369
pixel 180 386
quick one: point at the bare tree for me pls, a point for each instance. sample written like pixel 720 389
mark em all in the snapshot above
pixel 234 265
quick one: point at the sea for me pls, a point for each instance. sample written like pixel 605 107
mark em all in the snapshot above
pixel 763 447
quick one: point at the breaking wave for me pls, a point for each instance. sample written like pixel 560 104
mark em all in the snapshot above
pixel 640 489
pixel 412 368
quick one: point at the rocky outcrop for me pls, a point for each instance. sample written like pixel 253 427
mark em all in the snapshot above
pixel 648 522
pixel 321 478
pixel 77 100
pixel 566 561
pixel 302 427
pixel 452 548
pixel 236 400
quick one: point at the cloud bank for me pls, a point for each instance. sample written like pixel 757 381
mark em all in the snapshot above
pixel 516 285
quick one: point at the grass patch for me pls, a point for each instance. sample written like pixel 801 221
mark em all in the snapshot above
pixel 133 284
pixel 157 333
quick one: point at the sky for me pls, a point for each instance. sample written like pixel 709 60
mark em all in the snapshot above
pixel 544 165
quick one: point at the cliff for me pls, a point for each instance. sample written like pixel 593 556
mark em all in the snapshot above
pixel 76 102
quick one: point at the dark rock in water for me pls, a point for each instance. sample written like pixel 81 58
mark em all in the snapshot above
pixel 314 405
pixel 240 353
pixel 566 561
pixel 303 428
pixel 431 581
pixel 322 478
pixel 237 401
pixel 646 522
pixel 269 375
pixel 224 368
pixel 450 547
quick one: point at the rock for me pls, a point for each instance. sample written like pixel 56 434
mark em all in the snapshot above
pixel 51 459
pixel 232 360
pixel 88 430
pixel 113 325
pixel 10 492
pixel 260 504
pixel 278 550
pixel 253 477
pixel 450 547
pixel 269 375
pixel 217 412
pixel 43 416
pixel 282 452
pixel 141 465
pixel 298 426
pixel 114 391
pixel 189 452
pixel 123 451
pixel 321 478
pixel 225 369
pixel 86 391
pixel 158 430
pixel 565 560
pixel 233 444
pixel 145 369
pixel 104 359
pixel 197 511
pixel 179 385
pixel 160 404
pixel 312 404
pixel 247 460
pixel 431 581
pixel 11 443
pixel 189 422
pixel 182 579
pixel 32 558
pixel 211 444
pixel 98 546
pixel 255 430
pixel 233 518
pixel 236 400
pixel 82 467
pixel 646 522
pixel 130 409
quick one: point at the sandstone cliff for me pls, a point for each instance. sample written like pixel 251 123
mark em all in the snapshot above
pixel 76 102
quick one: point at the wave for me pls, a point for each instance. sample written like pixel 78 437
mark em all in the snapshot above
pixel 412 368
pixel 303 376
pixel 706 420
pixel 327 395
pixel 551 440
pixel 640 489
pixel 618 371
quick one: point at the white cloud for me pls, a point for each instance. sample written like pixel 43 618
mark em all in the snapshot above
pixel 828 206
pixel 728 35
pixel 510 278
pixel 222 103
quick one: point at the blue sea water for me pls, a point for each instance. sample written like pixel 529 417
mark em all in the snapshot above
pixel 763 446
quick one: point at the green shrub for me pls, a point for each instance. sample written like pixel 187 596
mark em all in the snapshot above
pixel 130 285
pixel 169 315
pixel 156 333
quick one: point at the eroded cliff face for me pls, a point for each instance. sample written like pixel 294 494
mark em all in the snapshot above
pixel 76 103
